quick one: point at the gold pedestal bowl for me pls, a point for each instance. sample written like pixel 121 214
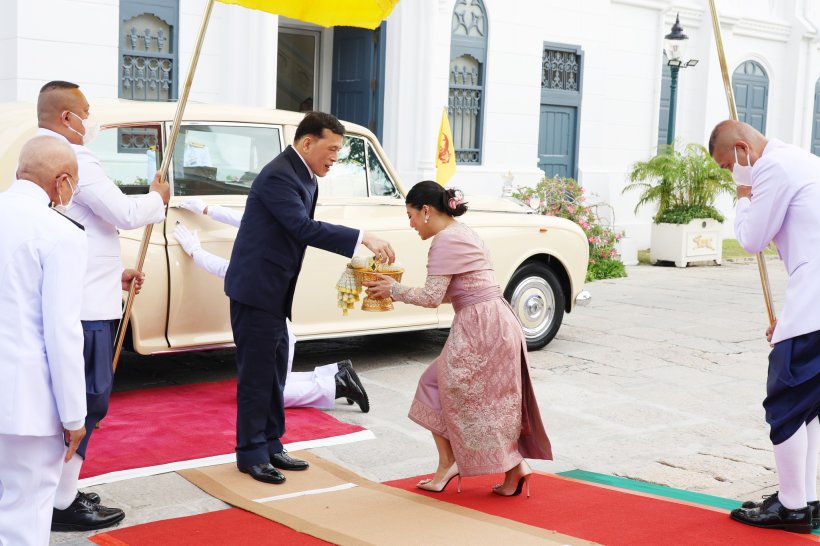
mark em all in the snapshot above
pixel 375 304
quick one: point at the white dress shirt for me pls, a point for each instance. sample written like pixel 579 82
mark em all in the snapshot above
pixel 784 209
pixel 42 264
pixel 101 208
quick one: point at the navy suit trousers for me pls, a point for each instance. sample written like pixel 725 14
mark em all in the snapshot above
pixel 98 351
pixel 261 340
pixel 793 386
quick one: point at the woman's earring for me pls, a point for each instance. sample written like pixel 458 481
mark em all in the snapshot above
pixel 426 219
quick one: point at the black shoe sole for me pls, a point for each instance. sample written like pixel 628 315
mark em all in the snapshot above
pixel 792 528
pixel 290 469
pixel 75 527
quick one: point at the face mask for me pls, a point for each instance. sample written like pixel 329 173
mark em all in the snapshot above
pixel 63 207
pixel 742 174
pixel 90 126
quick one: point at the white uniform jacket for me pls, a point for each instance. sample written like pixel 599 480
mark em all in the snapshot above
pixel 101 208
pixel 42 263
pixel 785 207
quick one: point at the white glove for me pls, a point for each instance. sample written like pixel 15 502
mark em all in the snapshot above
pixel 194 204
pixel 187 239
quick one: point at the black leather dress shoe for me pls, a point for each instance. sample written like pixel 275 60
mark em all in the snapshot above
pixel 773 515
pixel 286 462
pixel 264 473
pixel 814 505
pixel 93 498
pixel 346 364
pixel 84 515
pixel 349 386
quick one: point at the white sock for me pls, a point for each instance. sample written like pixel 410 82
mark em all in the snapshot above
pixel 67 487
pixel 813 433
pixel 327 369
pixel 790 457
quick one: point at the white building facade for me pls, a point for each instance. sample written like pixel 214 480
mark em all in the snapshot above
pixel 531 86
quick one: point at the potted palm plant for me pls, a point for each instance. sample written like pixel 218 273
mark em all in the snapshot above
pixel 684 185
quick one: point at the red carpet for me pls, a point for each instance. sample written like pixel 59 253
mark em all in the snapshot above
pixel 231 526
pixel 610 516
pixel 170 424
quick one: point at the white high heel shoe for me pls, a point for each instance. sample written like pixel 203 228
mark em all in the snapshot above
pixel 438 487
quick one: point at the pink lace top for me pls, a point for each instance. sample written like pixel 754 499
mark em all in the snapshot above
pixel 458 271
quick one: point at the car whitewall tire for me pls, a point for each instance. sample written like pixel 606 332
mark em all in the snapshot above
pixel 537 300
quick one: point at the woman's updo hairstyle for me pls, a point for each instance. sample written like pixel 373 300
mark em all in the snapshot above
pixel 450 201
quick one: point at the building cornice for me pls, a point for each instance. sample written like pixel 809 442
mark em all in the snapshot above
pixel 765 30
pixel 659 5
pixel 689 17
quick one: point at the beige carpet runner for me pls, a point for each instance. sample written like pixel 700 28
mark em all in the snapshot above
pixel 338 506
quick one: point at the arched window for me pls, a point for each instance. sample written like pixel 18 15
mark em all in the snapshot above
pixel 468 60
pixel 148 45
pixel 750 85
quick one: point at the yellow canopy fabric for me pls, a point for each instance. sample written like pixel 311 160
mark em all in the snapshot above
pixel 327 13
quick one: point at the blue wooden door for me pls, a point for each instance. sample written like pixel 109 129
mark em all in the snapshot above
pixel 750 85
pixel 358 67
pixel 556 140
pixel 561 71
pixel 815 131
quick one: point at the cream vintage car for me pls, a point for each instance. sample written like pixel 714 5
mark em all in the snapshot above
pixel 540 261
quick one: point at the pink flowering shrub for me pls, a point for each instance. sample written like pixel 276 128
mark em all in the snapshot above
pixel 565 198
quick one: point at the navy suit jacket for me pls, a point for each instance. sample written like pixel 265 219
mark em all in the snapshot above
pixel 276 229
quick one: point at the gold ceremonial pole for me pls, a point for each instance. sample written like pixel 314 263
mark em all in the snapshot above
pixel 166 163
pixel 730 98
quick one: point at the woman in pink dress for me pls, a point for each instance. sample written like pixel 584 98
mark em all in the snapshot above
pixel 476 397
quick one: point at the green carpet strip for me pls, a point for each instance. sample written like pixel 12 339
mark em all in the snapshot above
pixel 652 489
pixel 655 489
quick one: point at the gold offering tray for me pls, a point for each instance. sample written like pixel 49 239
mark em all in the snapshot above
pixel 375 304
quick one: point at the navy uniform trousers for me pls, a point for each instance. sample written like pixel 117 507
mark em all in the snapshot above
pixel 793 385
pixel 262 346
pixel 98 352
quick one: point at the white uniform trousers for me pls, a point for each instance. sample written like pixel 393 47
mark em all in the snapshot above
pixel 29 471
pixel 316 389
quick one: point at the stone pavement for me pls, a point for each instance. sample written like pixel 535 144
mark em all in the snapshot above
pixel 660 379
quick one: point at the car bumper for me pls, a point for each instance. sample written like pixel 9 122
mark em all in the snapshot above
pixel 583 298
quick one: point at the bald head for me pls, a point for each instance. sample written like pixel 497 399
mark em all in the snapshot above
pixel 61 106
pixel 729 135
pixel 44 160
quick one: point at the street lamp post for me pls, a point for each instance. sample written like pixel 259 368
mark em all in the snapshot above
pixel 674 44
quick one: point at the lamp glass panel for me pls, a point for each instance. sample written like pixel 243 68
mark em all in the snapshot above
pixel 675 49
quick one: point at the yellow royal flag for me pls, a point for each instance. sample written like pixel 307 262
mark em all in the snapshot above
pixel 445 154
pixel 327 13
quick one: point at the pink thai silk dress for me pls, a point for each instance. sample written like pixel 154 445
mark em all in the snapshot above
pixel 478 392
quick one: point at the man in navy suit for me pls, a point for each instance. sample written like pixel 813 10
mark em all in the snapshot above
pixel 276 229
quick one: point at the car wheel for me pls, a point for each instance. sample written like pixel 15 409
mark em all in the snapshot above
pixel 537 300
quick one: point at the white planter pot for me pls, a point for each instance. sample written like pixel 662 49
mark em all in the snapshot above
pixel 699 240
pixel 627 250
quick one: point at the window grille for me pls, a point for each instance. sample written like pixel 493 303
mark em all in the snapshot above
pixel 465 105
pixel 148 60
